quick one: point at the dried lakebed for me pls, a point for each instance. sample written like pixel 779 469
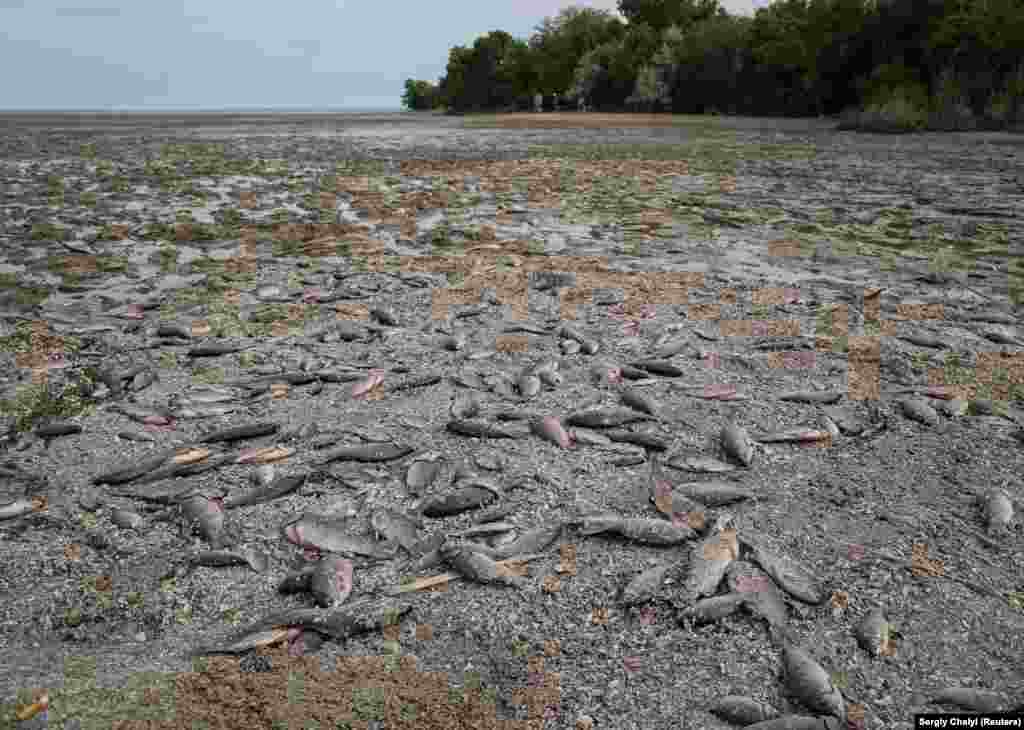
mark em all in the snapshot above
pixel 719 437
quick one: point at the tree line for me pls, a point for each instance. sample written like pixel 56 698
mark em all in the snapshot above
pixel 885 64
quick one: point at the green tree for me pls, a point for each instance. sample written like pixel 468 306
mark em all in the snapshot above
pixel 560 42
pixel 662 14
pixel 419 95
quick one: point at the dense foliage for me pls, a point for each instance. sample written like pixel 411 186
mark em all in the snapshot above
pixel 943 64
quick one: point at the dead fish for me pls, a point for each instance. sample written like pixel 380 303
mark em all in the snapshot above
pixel 421 474
pixel 638 438
pixel 205 515
pixel 741 710
pixel 196 413
pixel 798 722
pixel 736 443
pixel 677 507
pixel 1000 336
pixel 923 339
pixel 763 597
pixel 330 581
pixel 794 435
pixel 715 392
pixel 713 609
pixel 136 436
pixel 532 541
pixel 329 534
pixel 363 387
pixel 874 633
pixel 977 700
pixel 237 433
pixel 645 586
pixel 953 408
pixel 605 418
pixel 464 406
pixel 218 558
pixel 701 464
pixel 384 316
pixel 263 475
pixel 714 493
pixel 709 559
pixel 638 529
pixel 589 438
pixel 486 529
pixel 659 367
pixel 127 473
pixel 461 500
pixel 998 511
pixel 479 429
pixel 396 527
pixel 214 349
pixel 791 577
pixel 143 380
pixel 179 331
pixel 54 430
pixel 809 683
pixel 478 567
pixel 528 385
pixel 549 365
pixel 280 487
pixel 340 376
pixel 811 396
pixel 297 581
pixel 248 641
pixel 126 520
pixel 551 429
pixel 671 348
pixel 569 332
pixel 339 624
pixel 19 508
pixel 149 415
pixel 173 470
pixel 497 513
pixel 638 402
pixel 919 411
pixel 995 317
pixel 550 378
pixel 367 453
pixel 452 343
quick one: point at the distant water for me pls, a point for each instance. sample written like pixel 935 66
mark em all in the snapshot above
pixel 211 110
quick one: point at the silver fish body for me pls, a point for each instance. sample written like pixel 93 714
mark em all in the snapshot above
pixel 396 527
pixel 531 541
pixel 763 597
pixel 740 710
pixel 638 529
pixel 709 559
pixel 789 575
pixel 477 566
pixel 998 511
pixel 714 609
pixel 737 443
pixel 873 632
pixel 421 474
pixel 205 515
pixel 330 534
pixel 918 410
pixel 645 586
pixel 811 684
pixel 330 581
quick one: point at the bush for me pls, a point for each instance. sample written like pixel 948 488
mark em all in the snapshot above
pixel 949 111
pixel 898 112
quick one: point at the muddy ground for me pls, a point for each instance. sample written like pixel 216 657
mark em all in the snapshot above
pixel 808 256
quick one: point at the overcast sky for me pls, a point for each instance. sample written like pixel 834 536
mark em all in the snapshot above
pixel 119 54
